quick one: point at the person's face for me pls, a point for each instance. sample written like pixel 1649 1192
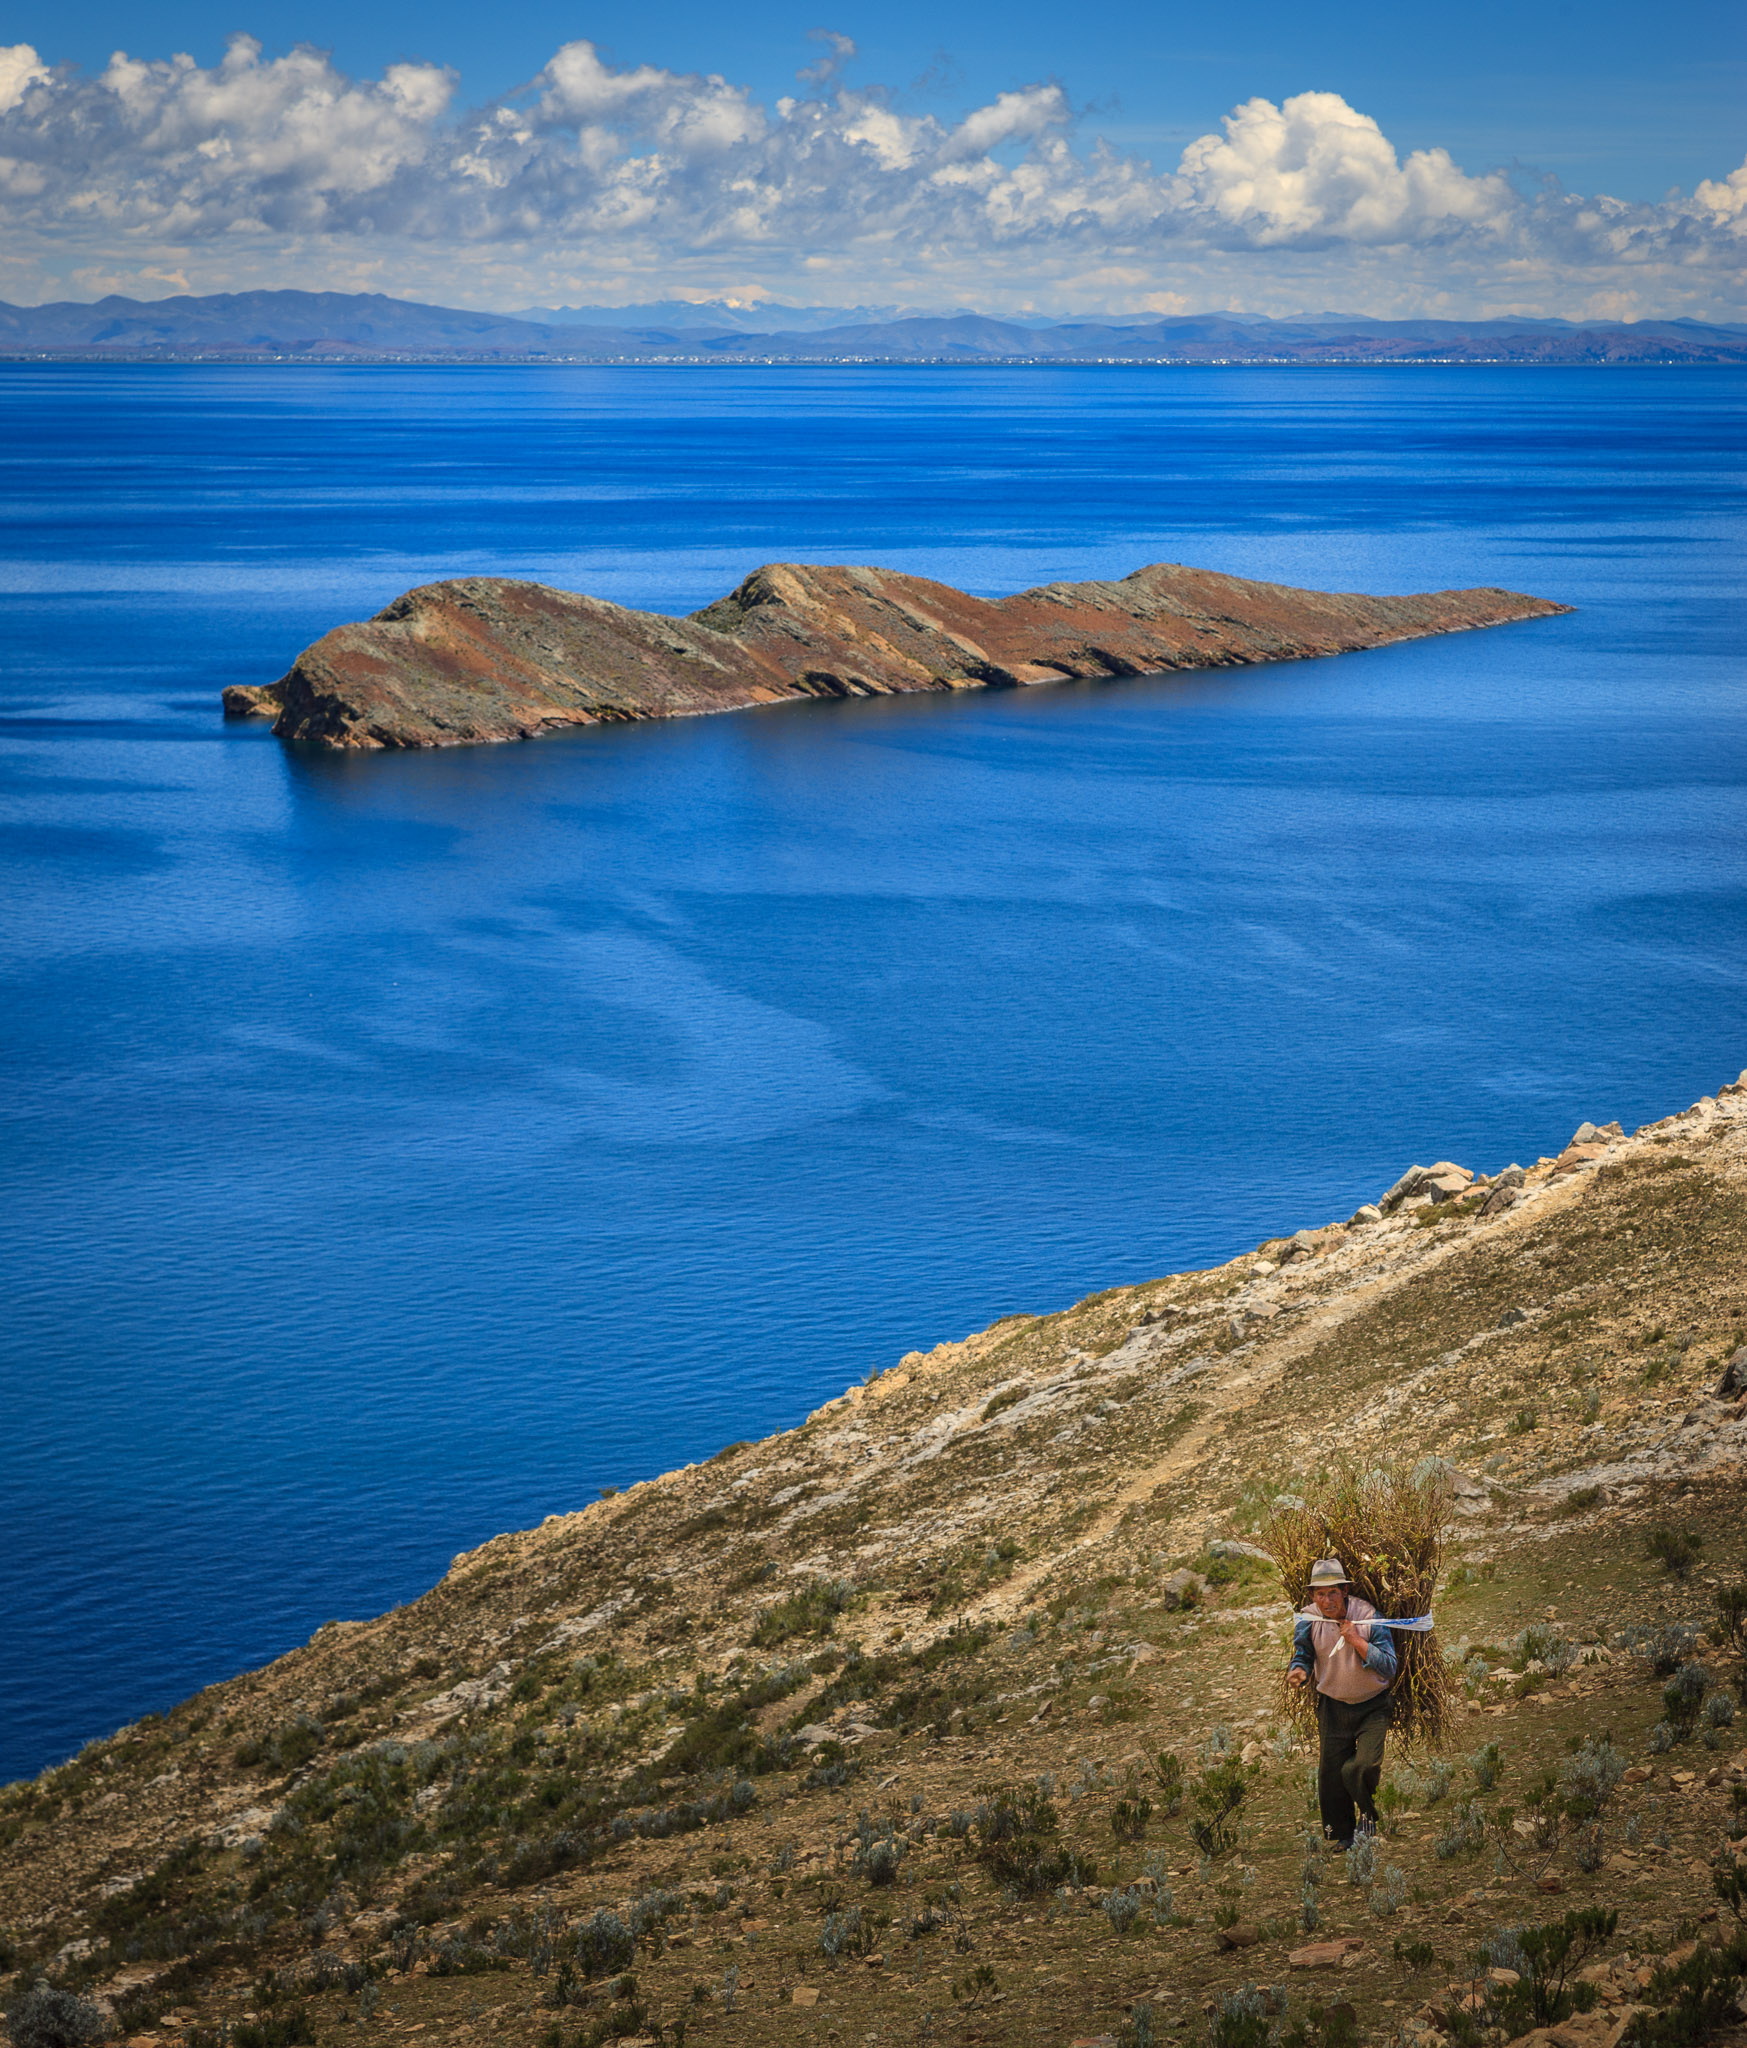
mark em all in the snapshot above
pixel 1331 1601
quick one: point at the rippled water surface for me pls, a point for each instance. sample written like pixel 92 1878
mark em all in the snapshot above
pixel 397 1149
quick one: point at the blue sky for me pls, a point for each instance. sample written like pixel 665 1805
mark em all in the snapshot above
pixel 1571 158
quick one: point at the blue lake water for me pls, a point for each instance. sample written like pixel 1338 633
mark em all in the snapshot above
pixel 394 1150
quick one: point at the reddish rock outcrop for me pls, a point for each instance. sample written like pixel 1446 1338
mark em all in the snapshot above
pixel 485 658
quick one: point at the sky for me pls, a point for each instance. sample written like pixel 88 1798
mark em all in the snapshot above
pixel 1578 160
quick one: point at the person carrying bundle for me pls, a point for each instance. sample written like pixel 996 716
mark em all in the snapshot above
pixel 1345 1649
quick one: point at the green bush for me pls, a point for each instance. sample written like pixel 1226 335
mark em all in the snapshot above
pixel 44 2016
pixel 1330 2026
pixel 1016 1828
pixel 1168 1770
pixel 811 1612
pixel 1219 1798
pixel 1697 1997
pixel 1129 1818
pixel 1676 1550
pixel 278 2030
pixel 1683 1696
pixel 1548 1958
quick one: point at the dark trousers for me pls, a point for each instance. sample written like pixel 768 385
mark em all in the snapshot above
pixel 1351 1761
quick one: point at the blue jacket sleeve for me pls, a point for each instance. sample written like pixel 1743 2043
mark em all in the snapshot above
pixel 1303 1657
pixel 1380 1658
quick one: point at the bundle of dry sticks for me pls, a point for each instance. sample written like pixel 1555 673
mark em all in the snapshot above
pixel 1388 1529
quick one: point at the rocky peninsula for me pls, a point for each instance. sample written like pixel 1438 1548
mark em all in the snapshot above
pixel 900 1725
pixel 486 658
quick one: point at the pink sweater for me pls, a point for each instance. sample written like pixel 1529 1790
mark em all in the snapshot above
pixel 1340 1671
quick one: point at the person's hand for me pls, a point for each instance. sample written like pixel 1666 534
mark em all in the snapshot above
pixel 1296 1678
pixel 1354 1641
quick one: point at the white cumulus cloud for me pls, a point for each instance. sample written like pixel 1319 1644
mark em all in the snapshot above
pixel 600 181
pixel 1314 169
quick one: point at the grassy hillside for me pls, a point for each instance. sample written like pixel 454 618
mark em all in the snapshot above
pixel 856 1734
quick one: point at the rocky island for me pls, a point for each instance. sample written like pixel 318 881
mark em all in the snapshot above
pixel 489 658
pixel 954 1714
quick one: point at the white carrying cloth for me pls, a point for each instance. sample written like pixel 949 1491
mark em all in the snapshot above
pixel 1419 1624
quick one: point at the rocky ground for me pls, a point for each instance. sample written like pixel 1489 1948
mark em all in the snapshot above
pixel 487 658
pixel 723 1758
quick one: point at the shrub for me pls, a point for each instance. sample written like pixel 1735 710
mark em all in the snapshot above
pixel 604 1944
pixel 1666 1648
pixel 1240 2020
pixel 278 2030
pixel 1016 1827
pixel 1129 1817
pixel 1389 1893
pixel 1697 1996
pixel 853 1933
pixel 1676 1550
pixel 1136 2031
pixel 1122 1908
pixel 1524 1420
pixel 1588 1779
pixel 812 1611
pixel 1466 1833
pixel 1421 1788
pixel 1548 1959
pixel 1219 1798
pixel 1544 1643
pixel 1730 1628
pixel 1682 1697
pixel 1486 1763
pixel 286 1750
pixel 998 1404
pixel 45 2016
pixel 1729 1874
pixel 880 1865
pixel 1332 2026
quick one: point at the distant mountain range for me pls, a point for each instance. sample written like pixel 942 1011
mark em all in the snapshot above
pixel 366 326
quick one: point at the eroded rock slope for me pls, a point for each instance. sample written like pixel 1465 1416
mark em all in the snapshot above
pixel 486 658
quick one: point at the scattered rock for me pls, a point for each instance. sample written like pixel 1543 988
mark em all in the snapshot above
pixel 244 1830
pixel 1243 1935
pixel 1367 1212
pixel 1229 1546
pixel 1324 1955
pixel 804 1994
pixel 1734 1380
pixel 1404 1187
pixel 1575 1156
pixel 1183 1588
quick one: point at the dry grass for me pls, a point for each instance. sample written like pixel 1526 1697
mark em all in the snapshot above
pixel 1388 1528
